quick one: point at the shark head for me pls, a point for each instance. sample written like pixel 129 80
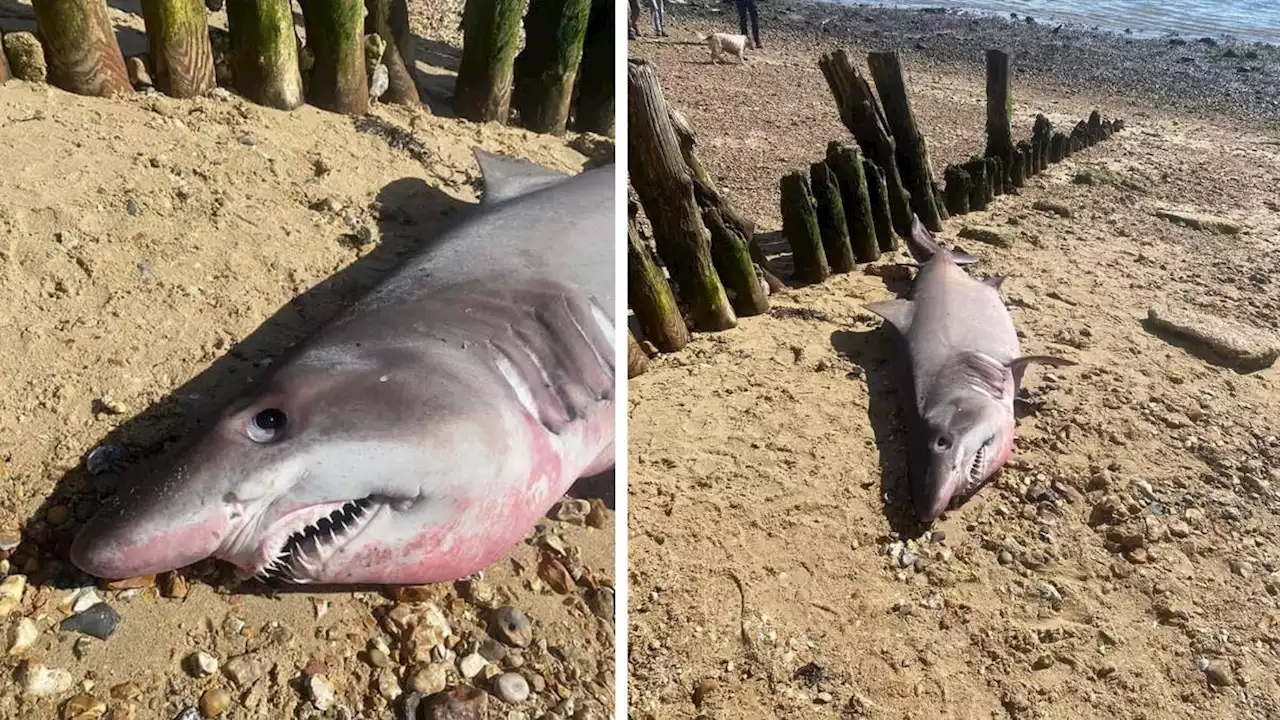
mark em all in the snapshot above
pixel 969 436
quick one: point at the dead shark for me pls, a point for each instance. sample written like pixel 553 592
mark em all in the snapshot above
pixel 965 367
pixel 422 432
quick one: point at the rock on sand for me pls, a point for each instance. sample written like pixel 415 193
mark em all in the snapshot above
pixel 1242 347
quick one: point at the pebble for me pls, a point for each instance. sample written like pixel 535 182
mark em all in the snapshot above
pixel 57 515
pixel 99 621
pixel 139 75
pixel 462 702
pixel 187 713
pixel 243 670
pixel 11 590
pixel 83 707
pixel 42 681
pixel 84 598
pixel 511 688
pixel 471 665
pixel 1219 673
pixel 22 635
pixel 599 513
pixel 320 690
pixel 379 82
pixel 201 664
pixel 26 56
pixel 388 686
pixel 214 702
pixel 248 140
pixel 572 511
pixel 130 206
pixel 600 600
pixel 428 679
pixel 511 626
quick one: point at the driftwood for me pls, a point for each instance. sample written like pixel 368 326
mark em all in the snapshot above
pixel 662 181
pixel 800 227
pixel 831 218
pixel 390 20
pixel 650 297
pixel 637 361
pixel 491 36
pixel 999 110
pixel 80 47
pixel 855 196
pixel 545 70
pixel 335 36
pixel 912 151
pixel 861 114
pixel 264 52
pixel 732 259
pixel 178 40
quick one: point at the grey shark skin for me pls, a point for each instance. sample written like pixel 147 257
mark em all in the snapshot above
pixel 421 433
pixel 965 368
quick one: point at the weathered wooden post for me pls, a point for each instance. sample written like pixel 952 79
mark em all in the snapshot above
pixel 491 35
pixel 637 361
pixel 855 196
pixel 800 227
pixel 861 113
pixel 1041 132
pixel 650 297
pixel 995 173
pixel 594 109
pixel 957 192
pixel 662 182
pixel 545 70
pixel 912 150
pixel 1080 136
pixel 1028 159
pixel 831 218
pixel 732 260
pixel 178 40
pixel 878 195
pixel 80 47
pixel 999 109
pixel 390 20
pixel 1095 127
pixel 264 52
pixel 336 38
pixel 1017 170
pixel 977 170
pixel 5 74
pixel 1058 147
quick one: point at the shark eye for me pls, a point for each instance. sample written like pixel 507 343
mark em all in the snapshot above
pixel 267 425
pixel 942 442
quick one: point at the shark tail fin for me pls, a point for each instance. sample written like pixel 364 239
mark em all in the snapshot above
pixel 923 247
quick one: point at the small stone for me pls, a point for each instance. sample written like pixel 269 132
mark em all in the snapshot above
pixel 201 664
pixel 105 458
pixel 132 207
pixel 21 636
pixel 139 75
pixel 554 574
pixel 824 697
pixel 511 626
pixel 600 600
pixel 1242 568
pixel 11 590
pixel 214 702
pixel 127 691
pixel 378 658
pixel 987 235
pixel 1219 673
pixel 387 685
pixel 511 688
pixel 428 679
pixel 705 691
pixel 26 57
pixel 599 514
pixel 1043 662
pixel 57 515
pixel 320 691
pixel 379 80
pixel 248 140
pixel 173 585
pixel 133 583
pixel 83 707
pixel 409 704
pixel 572 511
pixel 471 665
pixel 42 681
pixel 99 621
pixel 84 598
pixel 461 702
pixel 243 670
pixel 1052 206
pixel 492 650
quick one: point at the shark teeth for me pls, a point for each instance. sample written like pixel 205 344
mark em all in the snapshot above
pixel 308 543
pixel 975 469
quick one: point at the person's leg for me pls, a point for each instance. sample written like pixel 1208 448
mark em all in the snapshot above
pixel 755 23
pixel 662 17
pixel 632 29
pixel 742 16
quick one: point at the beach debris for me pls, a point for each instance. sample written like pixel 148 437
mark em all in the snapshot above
pixel 201 664
pixel 1236 345
pixel 461 702
pixel 11 589
pixel 21 636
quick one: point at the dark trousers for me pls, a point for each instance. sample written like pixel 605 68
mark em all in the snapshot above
pixel 745 7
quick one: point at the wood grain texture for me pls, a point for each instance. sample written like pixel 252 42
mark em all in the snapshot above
pixel 264 52
pixel 81 48
pixel 178 39
pixel 335 34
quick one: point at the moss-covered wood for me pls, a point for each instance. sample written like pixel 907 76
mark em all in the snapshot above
pixel 650 297
pixel 855 196
pixel 335 36
pixel 663 184
pixel 80 47
pixel 912 149
pixel 264 52
pixel 999 109
pixel 178 39
pixel 800 227
pixel 545 70
pixel 637 361
pixel 832 223
pixel 491 36
pixel 389 19
pixel 1016 173
pixel 977 170
pixel 860 112
pixel 957 191
pixel 877 193
pixel 593 106
pixel 732 258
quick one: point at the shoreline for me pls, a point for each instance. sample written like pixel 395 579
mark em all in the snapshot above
pixel 1210 80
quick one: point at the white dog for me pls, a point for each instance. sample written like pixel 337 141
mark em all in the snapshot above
pixel 724 43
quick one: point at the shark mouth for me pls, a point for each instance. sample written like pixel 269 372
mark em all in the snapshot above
pixel 311 545
pixel 976 469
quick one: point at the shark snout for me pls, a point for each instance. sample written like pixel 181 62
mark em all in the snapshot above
pixel 114 546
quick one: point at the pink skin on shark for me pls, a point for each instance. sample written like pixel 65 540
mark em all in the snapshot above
pixel 421 434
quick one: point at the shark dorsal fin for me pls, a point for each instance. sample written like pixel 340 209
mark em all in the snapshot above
pixel 506 178
pixel 898 313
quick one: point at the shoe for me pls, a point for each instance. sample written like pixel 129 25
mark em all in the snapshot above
pixel 759 46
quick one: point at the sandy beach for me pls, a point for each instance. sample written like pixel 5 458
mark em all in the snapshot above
pixel 1123 565
pixel 156 254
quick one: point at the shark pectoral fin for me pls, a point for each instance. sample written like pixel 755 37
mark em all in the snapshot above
pixel 963 258
pixel 506 178
pixel 898 313
pixel 1019 365
pixel 994 281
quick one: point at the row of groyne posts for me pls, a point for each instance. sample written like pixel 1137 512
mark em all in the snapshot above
pixel 847 209
pixel 564 71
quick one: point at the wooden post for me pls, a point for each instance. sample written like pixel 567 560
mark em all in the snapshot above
pixel 957 193
pixel 545 70
pixel 594 109
pixel 1028 159
pixel 855 196
pixel 800 227
pixel 877 193
pixel 861 113
pixel 264 52
pixel 995 171
pixel 977 170
pixel 831 218
pixel 178 39
pixel 999 110
pixel 80 47
pixel 1041 132
pixel 912 150
pixel 1095 127
pixel 637 361
pixel 732 259
pixel 942 205
pixel 650 297
pixel 662 182
pixel 390 20
pixel 335 36
pixel 1058 147
pixel 5 73
pixel 1080 134
pixel 491 35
